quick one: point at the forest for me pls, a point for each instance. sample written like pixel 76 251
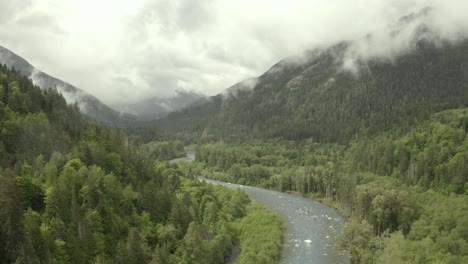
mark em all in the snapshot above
pixel 406 195
pixel 74 191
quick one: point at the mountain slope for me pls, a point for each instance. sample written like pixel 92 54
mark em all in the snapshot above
pixel 89 105
pixel 314 97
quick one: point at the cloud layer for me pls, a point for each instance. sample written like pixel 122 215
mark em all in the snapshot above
pixel 127 50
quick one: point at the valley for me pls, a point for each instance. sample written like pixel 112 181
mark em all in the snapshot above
pixel 311 228
pixel 227 136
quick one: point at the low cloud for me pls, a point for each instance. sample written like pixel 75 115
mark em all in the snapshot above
pixel 242 86
pixel 129 50
pixel 429 24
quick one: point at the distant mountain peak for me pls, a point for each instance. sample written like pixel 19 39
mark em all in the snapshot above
pixel 156 107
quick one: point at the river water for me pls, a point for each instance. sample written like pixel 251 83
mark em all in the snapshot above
pixel 311 227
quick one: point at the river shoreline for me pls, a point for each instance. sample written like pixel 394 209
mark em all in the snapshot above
pixel 311 226
pixel 329 203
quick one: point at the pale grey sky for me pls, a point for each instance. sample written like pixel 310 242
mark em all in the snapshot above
pixel 123 50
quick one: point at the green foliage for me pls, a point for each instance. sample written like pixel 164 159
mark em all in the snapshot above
pixel 357 237
pixel 73 191
pixel 260 234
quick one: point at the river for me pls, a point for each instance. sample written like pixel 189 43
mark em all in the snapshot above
pixel 311 227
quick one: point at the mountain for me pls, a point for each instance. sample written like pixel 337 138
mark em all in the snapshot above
pixel 155 107
pixel 313 96
pixel 88 104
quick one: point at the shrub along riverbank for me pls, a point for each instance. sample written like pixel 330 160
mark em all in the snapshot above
pixel 260 235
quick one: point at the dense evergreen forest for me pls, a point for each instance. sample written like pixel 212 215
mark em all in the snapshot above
pixel 407 194
pixel 73 191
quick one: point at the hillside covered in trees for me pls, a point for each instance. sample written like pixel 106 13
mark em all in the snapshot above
pixel 313 96
pixel 73 191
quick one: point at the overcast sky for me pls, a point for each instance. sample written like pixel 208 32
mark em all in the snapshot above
pixel 125 50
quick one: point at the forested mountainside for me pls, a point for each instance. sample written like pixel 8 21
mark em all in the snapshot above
pixel 74 191
pixel 407 194
pixel 314 97
pixel 89 105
